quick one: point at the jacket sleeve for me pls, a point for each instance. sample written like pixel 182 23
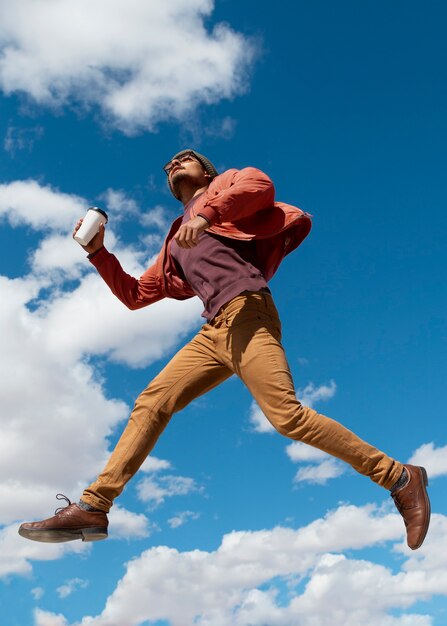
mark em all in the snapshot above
pixel 134 293
pixel 241 193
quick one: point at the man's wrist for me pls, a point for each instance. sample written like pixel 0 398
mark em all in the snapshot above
pixel 92 254
pixel 205 218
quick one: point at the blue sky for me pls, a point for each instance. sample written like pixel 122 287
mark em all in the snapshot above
pixel 343 105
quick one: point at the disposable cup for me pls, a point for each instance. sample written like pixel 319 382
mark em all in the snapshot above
pixel 90 225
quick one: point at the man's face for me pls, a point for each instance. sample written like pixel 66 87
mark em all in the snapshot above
pixel 186 169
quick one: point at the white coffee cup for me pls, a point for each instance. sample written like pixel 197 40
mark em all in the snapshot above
pixel 90 225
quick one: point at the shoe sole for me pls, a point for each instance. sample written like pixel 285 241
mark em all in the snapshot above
pixel 424 477
pixel 61 536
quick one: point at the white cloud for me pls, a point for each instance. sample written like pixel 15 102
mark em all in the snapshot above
pixel 156 217
pixel 119 204
pixel 139 62
pixel 311 395
pixel 42 413
pixel 323 465
pixel 258 420
pixel 125 524
pixel 57 256
pixel 154 464
pixel 16 554
pixel 240 583
pixel 70 586
pixel 26 202
pixel 319 473
pixel 155 489
pixel 432 458
pixel 136 338
pixel 157 220
pixel 44 618
pixel 340 592
pixel 360 591
pixel 181 518
pixel 298 451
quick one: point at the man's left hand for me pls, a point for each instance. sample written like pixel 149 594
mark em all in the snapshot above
pixel 188 234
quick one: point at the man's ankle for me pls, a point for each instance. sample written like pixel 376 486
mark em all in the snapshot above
pixel 87 507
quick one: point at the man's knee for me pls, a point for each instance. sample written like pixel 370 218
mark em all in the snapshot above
pixel 296 423
pixel 148 406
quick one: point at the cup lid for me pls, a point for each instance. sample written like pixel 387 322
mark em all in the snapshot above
pixel 95 208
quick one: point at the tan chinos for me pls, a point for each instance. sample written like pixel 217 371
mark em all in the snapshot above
pixel 243 339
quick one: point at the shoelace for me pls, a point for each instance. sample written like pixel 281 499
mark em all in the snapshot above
pixel 60 496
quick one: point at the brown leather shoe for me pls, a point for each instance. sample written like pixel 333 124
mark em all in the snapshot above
pixel 69 523
pixel 413 504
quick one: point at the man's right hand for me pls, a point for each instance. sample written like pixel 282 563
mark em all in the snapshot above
pixel 96 243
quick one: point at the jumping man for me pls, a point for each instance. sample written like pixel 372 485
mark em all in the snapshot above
pixel 224 249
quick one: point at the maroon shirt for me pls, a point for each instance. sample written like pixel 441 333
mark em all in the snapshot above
pixel 218 268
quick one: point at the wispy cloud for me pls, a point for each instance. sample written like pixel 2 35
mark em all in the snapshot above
pixel 70 586
pixel 158 486
pixel 18 139
pixel 181 518
pixel 155 489
pixel 38 593
pixel 312 394
pixel 119 204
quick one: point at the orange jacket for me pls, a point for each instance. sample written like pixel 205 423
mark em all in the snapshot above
pixel 239 204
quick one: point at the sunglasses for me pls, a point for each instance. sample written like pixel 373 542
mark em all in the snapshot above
pixel 188 156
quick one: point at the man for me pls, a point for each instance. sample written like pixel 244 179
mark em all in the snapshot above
pixel 224 249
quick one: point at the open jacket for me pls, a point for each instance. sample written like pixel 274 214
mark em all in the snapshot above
pixel 239 204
